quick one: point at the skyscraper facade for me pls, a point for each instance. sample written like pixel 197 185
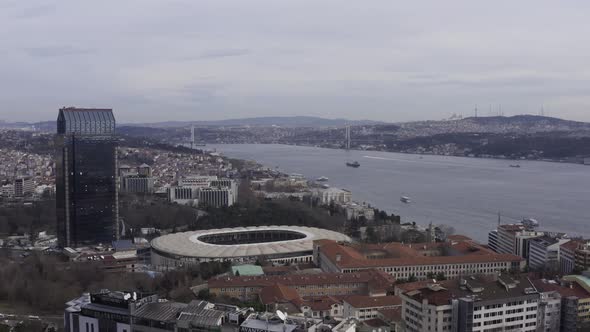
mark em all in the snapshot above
pixel 86 182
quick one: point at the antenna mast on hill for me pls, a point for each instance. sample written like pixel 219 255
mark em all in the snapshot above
pixel 476 110
pixel 192 136
pixel 347 137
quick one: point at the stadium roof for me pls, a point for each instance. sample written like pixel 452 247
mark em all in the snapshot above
pixel 188 244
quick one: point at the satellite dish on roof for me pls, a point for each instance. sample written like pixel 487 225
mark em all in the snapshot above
pixel 281 315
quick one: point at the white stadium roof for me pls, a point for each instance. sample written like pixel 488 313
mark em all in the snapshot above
pixel 188 244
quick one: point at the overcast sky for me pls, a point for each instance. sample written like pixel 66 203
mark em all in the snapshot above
pixel 383 60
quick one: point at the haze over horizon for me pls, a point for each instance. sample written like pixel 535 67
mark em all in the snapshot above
pixel 157 61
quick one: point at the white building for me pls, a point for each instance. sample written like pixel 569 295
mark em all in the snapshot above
pixel 183 195
pixel 137 184
pixel 513 239
pixel 216 197
pixel 472 304
pixel 549 316
pixel 493 240
pixel 196 181
pixel 7 190
pixel 355 211
pixel 333 195
pixel 544 252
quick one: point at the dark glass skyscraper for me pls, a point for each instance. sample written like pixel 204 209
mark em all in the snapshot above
pixel 86 181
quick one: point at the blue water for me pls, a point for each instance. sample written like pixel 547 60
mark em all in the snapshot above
pixel 465 193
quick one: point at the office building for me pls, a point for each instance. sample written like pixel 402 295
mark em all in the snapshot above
pixel 86 179
pixel 544 252
pixel 196 181
pixel 493 240
pixel 475 304
pixel 23 186
pixel 567 256
pixel 216 197
pixel 514 238
pixel 137 184
pixel 421 261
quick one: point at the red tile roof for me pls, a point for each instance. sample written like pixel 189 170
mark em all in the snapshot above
pixel 571 245
pixel 376 280
pixel 278 294
pixel 361 301
pixel 398 254
pixel 564 291
pixel 392 314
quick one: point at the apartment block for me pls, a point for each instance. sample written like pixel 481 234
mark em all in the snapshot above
pixel 475 304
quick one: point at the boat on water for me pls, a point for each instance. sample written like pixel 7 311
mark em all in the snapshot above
pixel 325 186
pixel 405 199
pixel 515 166
pixel 353 164
pixel 322 179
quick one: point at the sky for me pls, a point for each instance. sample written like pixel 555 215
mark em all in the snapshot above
pixel 387 60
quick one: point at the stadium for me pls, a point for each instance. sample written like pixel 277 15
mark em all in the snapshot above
pixel 292 244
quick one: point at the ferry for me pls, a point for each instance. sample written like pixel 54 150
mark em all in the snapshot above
pixel 322 179
pixel 354 164
pixel 405 199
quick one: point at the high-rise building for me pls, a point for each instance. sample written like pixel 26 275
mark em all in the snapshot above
pixel 86 179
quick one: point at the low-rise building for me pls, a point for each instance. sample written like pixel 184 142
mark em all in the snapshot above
pixel 374 283
pixel 216 197
pixel 452 259
pixel 270 322
pixel 364 307
pixel 356 211
pixel 128 311
pixel 137 184
pixel 333 196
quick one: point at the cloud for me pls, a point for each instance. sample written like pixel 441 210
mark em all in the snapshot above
pixel 55 51
pixel 36 11
pixel 385 60
pixel 223 53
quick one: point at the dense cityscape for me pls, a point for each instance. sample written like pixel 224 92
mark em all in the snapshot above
pixel 180 238
pixel 294 166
